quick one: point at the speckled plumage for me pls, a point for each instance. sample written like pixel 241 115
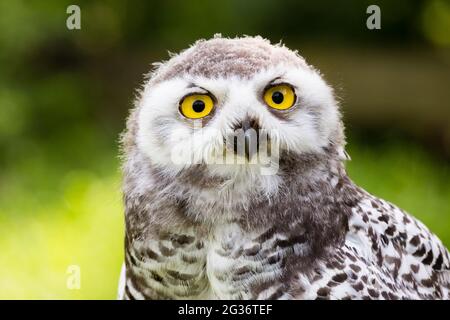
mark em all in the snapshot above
pixel 206 231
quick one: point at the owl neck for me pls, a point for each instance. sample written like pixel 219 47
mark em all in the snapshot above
pixel 301 181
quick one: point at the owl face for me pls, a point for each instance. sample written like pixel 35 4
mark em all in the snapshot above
pixel 234 105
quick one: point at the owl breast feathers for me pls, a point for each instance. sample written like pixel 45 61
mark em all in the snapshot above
pixel 235 188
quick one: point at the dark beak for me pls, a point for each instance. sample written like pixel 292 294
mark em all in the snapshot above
pixel 250 129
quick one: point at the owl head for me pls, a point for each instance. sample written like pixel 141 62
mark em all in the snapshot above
pixel 234 106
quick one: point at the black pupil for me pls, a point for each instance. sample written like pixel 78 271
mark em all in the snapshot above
pixel 198 106
pixel 277 97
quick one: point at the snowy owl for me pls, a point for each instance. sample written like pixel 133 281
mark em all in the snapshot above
pixel 279 218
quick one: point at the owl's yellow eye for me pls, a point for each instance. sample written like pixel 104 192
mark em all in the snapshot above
pixel 196 106
pixel 280 97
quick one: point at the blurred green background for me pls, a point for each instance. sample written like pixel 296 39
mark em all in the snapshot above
pixel 64 97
